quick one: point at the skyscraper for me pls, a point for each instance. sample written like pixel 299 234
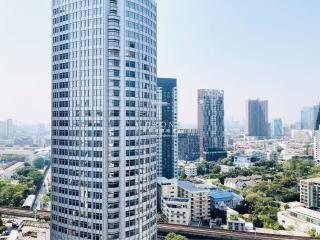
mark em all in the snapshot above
pixel 276 128
pixel 309 117
pixel 317 127
pixel 257 118
pixel 168 136
pixel 103 149
pixel 6 129
pixel 188 144
pixel 211 124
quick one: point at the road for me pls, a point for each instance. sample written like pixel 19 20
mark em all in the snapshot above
pixel 13 235
pixel 43 190
pixel 10 171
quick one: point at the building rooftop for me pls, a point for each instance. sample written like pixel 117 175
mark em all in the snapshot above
pixel 190 187
pixel 313 180
pixel 29 201
pixel 163 180
pixel 221 196
pixel 305 211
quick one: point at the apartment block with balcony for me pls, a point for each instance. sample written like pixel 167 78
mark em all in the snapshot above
pixel 182 201
pixel 200 202
pixel 310 193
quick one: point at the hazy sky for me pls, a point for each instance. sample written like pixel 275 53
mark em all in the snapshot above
pixel 250 48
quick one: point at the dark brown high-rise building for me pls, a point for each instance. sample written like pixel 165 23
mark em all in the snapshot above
pixel 211 124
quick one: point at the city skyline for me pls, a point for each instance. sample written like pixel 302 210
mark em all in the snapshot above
pixel 265 61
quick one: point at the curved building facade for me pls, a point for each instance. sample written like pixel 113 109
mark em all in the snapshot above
pixel 104 67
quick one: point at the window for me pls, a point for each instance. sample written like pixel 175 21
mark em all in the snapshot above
pixel 131 64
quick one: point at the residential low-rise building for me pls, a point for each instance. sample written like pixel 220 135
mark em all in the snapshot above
pixel 166 188
pixel 177 210
pixel 224 199
pixel 300 218
pixel 257 154
pixel 190 170
pixel 172 196
pixel 242 161
pixel 242 182
pixel 226 168
pixel 235 223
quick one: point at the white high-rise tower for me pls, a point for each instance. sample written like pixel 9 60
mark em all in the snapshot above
pixel 104 67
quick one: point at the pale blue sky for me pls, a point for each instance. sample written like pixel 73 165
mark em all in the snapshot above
pixel 250 48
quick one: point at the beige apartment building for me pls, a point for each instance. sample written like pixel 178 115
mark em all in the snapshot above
pixel 200 203
pixel 177 210
pixel 310 193
pixel 183 201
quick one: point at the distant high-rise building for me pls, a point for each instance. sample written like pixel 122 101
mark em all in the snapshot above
pixel 168 136
pixel 277 128
pixel 317 146
pixel 211 124
pixel 257 118
pixel 318 119
pixel 6 129
pixel 309 117
pixel 188 142
pixel 104 140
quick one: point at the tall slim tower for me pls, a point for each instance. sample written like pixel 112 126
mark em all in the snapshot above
pixel 277 128
pixel 309 117
pixel 317 127
pixel 168 151
pixel 211 124
pixel 257 118
pixel 104 65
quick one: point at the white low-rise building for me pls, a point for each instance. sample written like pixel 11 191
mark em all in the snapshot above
pixel 226 168
pixel 300 218
pixel 243 161
pixel 177 210
pixel 242 182
pixel 191 170
pixel 235 223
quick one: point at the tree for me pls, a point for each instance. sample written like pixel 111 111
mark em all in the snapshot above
pixel 228 161
pixel 161 218
pixel 234 217
pixel 12 195
pixel 182 175
pixel 173 236
pixel 313 233
pixel 46 200
pixel 38 163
